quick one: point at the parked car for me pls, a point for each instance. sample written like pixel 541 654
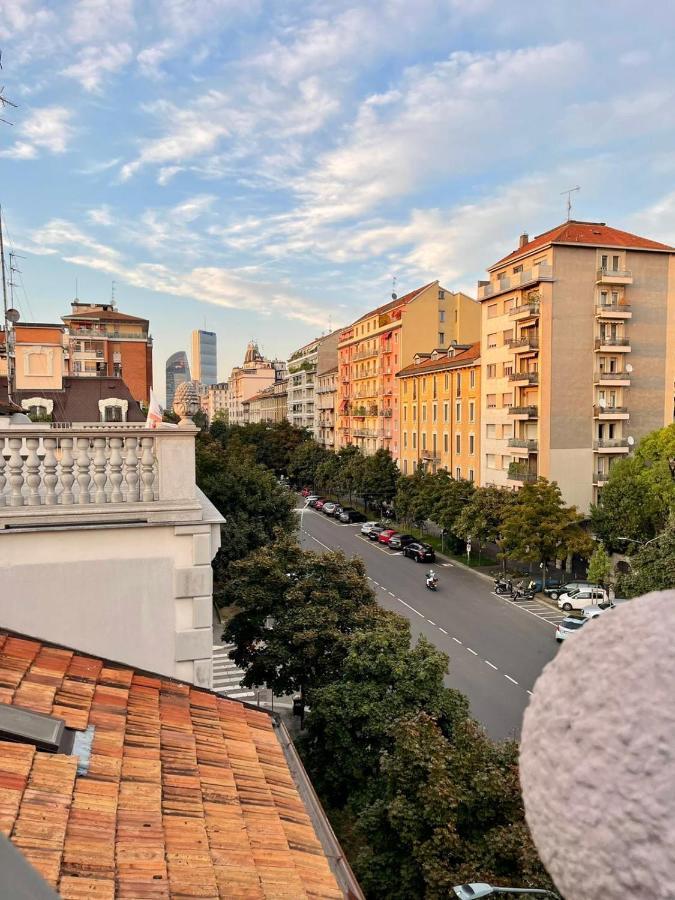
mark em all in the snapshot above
pixel 557 590
pixel 568 626
pixel 387 535
pixel 306 492
pixel 420 552
pixel 401 541
pixel 311 500
pixel 328 508
pixel 592 612
pixel 349 515
pixel 365 528
pixel 585 597
pixel 319 503
pixel 376 531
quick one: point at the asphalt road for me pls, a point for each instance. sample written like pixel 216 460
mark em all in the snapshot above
pixel 496 649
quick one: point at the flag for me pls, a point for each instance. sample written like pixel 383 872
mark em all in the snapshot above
pixel 154 412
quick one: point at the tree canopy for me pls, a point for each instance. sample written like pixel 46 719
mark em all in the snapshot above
pixel 652 566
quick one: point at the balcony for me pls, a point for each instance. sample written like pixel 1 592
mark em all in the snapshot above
pixel 524 343
pixel 524 279
pixel 613 311
pixel 525 310
pixel 618 379
pixel 364 354
pixel 364 432
pixel 608 344
pixel 520 473
pixel 387 413
pixel 524 412
pixel 530 445
pixel 611 445
pixel 610 412
pixel 524 377
pixel 600 478
pixel 614 276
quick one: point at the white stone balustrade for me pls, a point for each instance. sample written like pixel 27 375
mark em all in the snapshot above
pixel 94 469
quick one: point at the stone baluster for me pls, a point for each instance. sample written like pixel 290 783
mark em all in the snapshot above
pixel 33 471
pixel 100 477
pixel 3 480
pixel 147 469
pixel 50 477
pixel 116 469
pixel 67 477
pixel 16 471
pixel 83 476
pixel 131 470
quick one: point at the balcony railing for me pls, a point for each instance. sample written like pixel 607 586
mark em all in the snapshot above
pixel 364 354
pixel 530 444
pixel 614 276
pixel 614 310
pixel 610 411
pixel 518 472
pixel 531 412
pixel 611 376
pixel 608 341
pixel 102 471
pixel 364 432
pixel 529 377
pixel 611 444
pixel 543 272
pixel 528 342
pixel 525 309
pixel 600 477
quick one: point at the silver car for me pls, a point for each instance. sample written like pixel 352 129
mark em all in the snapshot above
pixel 569 625
pixel 367 527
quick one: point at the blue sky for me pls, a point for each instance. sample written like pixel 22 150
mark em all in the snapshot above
pixel 264 168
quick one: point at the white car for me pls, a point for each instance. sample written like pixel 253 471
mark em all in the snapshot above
pixel 569 625
pixel 592 612
pixel 367 527
pixel 581 598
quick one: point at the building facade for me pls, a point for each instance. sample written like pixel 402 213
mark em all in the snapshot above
pixel 177 371
pixel 577 356
pixel 382 342
pixel 105 342
pixel 217 400
pixel 439 403
pixel 249 379
pixel 204 357
pixel 326 404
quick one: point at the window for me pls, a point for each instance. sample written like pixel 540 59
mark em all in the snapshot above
pixel 490 432
pixel 508 305
pixel 604 298
pixel 433 442
pixel 424 440
pixel 405 466
pixel 414 418
pixel 458 473
pixel 434 413
pixel 414 466
pixel 507 369
pixel 507 399
pixel 492 370
pixel 37 411
pixel 414 440
pixel 424 412
pixel 615 263
pixel 458 411
pixel 405 439
pixel 615 298
pixel 441 294
pixel 490 460
pixel 472 411
pixel 405 386
pixel 472 378
pixel 424 384
pixel 435 387
pixel 458 443
pixel 113 414
pixel 458 391
pixel 604 261
pixel 472 444
pixel 445 412
pixel 507 431
pixel 405 413
pixel 446 442
pixel 517 269
pixel 493 310
pixel 441 338
pixel 491 401
pixel 441 316
pixel 507 335
pixel 446 383
pixel 492 339
pixel 471 475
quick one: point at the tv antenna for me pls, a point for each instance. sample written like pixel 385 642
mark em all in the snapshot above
pixel 4 102
pixel 112 292
pixel 569 193
pixel 13 270
pixel 394 282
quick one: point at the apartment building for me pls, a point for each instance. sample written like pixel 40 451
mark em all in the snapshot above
pixel 326 403
pixel 247 380
pixel 439 403
pixel 379 344
pixel 217 400
pixel 106 342
pixel 303 366
pixel 577 355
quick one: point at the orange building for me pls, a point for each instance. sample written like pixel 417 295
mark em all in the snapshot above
pixel 377 345
pixel 104 342
pixel 439 403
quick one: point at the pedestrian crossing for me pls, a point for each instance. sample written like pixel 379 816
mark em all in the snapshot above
pixel 227 675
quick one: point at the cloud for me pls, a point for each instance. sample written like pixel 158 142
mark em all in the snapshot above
pixel 45 128
pixel 89 19
pixel 96 62
pixel 19 16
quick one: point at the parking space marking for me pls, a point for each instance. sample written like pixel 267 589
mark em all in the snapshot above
pixel 511 679
pixel 442 629
pixel 457 640
pixel 472 651
pixel 533 607
pixel 492 665
pixel 430 622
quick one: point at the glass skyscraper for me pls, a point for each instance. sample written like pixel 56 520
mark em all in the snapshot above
pixel 204 357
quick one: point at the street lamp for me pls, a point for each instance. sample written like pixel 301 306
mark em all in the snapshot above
pixel 480 889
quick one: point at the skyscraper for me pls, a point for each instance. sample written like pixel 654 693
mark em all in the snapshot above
pixel 204 357
pixel 177 371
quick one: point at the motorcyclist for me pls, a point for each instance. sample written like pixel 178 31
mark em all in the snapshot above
pixel 431 577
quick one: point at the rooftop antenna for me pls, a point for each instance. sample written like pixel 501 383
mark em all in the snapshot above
pixel 13 270
pixel 10 317
pixel 76 297
pixel 569 193
pixel 112 292
pixel 394 282
pixel 4 102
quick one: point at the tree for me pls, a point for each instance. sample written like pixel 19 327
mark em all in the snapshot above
pixel 271 445
pixel 653 566
pixel 304 462
pixel 248 496
pixel 540 528
pixel 483 515
pixel 449 497
pixel 297 611
pixel 201 420
pixel 351 465
pixel 599 566
pixel 379 475
pixel 327 475
pixel 640 492
pixel 414 499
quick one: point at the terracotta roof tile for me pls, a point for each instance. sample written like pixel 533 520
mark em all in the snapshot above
pixel 592 234
pixel 187 794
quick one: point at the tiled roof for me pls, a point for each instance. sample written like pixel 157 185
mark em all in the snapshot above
pixel 444 362
pixel 593 234
pixel 104 315
pixel 187 794
pixel 400 301
pixel 78 401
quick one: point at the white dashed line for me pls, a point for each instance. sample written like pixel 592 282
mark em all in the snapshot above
pixel 492 665
pixel 391 593
pixel 530 693
pixel 472 651
pixel 511 679
pixel 410 607
pixel 442 629
pixel 376 583
pixel 430 622
pixel 457 641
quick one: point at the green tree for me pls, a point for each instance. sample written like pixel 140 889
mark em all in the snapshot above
pixel 170 416
pixel 599 566
pixel 482 517
pixel 304 462
pixel 450 496
pixel 640 492
pixel 201 420
pixel 351 465
pixel 379 476
pixel 414 499
pixel 540 528
pixel 271 445
pixel 653 565
pixel 327 475
pixel 248 495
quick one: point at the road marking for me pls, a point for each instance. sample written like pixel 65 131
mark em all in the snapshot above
pixel 530 693
pixel 325 546
pixel 430 622
pixel 472 651
pixel 492 665
pixel 442 629
pixel 511 679
pixel 410 607
pixel 391 593
pixel 448 565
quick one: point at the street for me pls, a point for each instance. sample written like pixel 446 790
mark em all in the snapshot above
pixel 496 649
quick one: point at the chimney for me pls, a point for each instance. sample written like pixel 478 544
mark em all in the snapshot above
pixel 523 239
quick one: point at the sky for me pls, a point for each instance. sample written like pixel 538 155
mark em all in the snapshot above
pixel 266 169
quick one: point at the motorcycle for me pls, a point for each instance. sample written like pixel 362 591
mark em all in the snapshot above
pixel 524 593
pixel 503 586
pixel 432 581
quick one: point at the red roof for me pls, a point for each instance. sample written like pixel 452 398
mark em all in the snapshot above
pixel 102 315
pixel 592 234
pixel 444 362
pixel 400 301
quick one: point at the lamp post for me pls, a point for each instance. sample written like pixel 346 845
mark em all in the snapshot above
pixel 479 889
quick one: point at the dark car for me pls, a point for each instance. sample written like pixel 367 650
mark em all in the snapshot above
pixel 376 531
pixel 420 552
pixel 556 590
pixel 349 515
pixel 401 541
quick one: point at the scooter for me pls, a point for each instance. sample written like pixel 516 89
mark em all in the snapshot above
pixel 503 586
pixel 432 582
pixel 522 593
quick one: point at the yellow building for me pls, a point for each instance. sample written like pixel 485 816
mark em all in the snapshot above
pixel 379 344
pixel 439 402
pixel 577 355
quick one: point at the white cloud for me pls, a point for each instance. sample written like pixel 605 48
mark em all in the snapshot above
pixel 92 19
pixel 45 128
pixel 20 16
pixel 96 62
pixel 166 173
